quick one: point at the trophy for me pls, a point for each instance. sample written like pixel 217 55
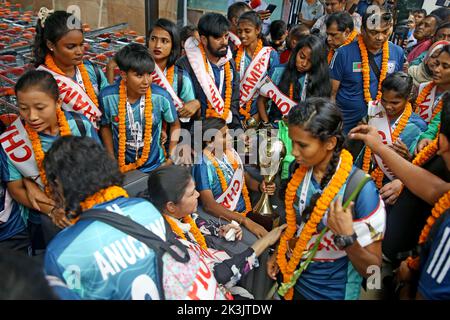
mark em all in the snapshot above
pixel 271 153
pixel 251 123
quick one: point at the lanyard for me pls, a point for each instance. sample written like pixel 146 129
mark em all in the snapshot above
pixel 79 79
pixel 136 126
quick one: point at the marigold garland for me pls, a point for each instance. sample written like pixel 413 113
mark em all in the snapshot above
pixel 291 91
pixel 50 63
pixel 170 74
pixel 199 238
pixel 366 69
pixel 349 40
pixel 223 181
pixel 210 111
pixel 64 130
pixel 102 196
pixel 439 208
pixel 424 94
pixel 426 153
pixel 287 268
pixel 378 174
pixel 148 114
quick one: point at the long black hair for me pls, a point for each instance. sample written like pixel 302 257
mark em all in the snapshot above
pixel 399 82
pixel 40 79
pixel 167 184
pixel 319 84
pixel 81 167
pixel 56 26
pixel 174 33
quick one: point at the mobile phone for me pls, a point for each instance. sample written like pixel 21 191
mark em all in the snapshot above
pixel 352 9
pixel 271 8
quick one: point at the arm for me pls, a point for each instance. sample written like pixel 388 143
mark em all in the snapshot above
pixel 432 129
pixel 18 192
pixel 174 135
pixel 110 67
pixel 335 84
pixel 107 138
pixel 261 102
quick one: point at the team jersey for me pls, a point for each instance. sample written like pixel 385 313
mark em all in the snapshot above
pixel 163 109
pixel 98 79
pixel 97 261
pixel 11 222
pixel 186 92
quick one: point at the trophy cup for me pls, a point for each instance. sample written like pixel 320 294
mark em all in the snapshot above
pixel 271 153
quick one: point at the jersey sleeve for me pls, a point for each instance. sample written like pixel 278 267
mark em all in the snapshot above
pixel 200 174
pixel 187 90
pixel 337 66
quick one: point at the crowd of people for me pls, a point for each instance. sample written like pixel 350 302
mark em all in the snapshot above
pixel 363 185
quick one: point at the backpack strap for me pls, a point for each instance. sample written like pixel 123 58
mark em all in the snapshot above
pixel 79 122
pixel 179 80
pixel 144 235
pixel 356 178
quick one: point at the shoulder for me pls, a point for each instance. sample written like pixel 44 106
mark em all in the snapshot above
pixel 349 51
pixel 395 49
pixel 159 93
pixel 110 90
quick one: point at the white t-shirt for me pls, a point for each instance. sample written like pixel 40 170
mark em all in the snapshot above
pixel 312 11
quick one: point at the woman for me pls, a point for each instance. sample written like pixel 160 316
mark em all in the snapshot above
pixel 41 123
pixel 352 242
pixel 59 49
pixel 252 58
pixel 401 127
pixel 172 191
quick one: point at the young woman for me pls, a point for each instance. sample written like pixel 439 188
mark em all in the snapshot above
pixel 393 116
pixel 59 49
pixel 41 123
pixel 252 58
pixel 172 191
pixel 313 199
pixel 134 110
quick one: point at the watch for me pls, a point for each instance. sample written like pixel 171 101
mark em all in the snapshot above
pixel 343 242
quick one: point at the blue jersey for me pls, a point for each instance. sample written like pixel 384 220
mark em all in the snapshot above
pixel 186 92
pixel 11 222
pixel 98 78
pixel 11 173
pixel 331 274
pixel 163 109
pixel 347 69
pixel 206 178
pixel 434 281
pixel 97 261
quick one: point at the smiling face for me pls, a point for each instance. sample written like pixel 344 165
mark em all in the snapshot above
pixel 69 50
pixel 247 32
pixel 160 44
pixel 303 59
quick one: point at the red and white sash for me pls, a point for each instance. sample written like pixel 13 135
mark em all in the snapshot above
pixel 74 98
pixel 235 39
pixel 254 75
pixel 271 91
pixel 19 150
pixel 160 79
pixel 204 77
pixel 425 109
pixel 230 198
pixel 379 119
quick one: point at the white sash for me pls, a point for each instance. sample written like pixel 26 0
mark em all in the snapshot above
pixel 235 39
pixel 74 98
pixel 230 198
pixel 271 91
pixel 204 78
pixel 425 109
pixel 378 118
pixel 19 150
pixel 254 75
pixel 160 79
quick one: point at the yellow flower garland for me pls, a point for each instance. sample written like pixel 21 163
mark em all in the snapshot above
pixel 287 268
pixel 347 41
pixel 104 195
pixel 194 230
pixel 148 114
pixel 426 153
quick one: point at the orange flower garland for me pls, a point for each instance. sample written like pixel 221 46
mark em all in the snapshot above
pixel 194 230
pixel 291 91
pixel 223 181
pixel 439 208
pixel 287 268
pixel 424 94
pixel 64 130
pixel 378 174
pixel 366 69
pixel 211 112
pixel 170 74
pixel 426 153
pixel 148 114
pixel 104 195
pixel 50 63
pixel 349 40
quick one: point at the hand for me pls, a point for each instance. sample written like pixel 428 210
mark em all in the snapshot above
pixel 400 148
pixel 274 235
pixel 390 191
pixel 369 135
pixel 163 137
pixel 340 221
pixel 223 230
pixel 268 188
pixel 36 195
pixel 404 273
pixel 272 267
pixel 189 109
pixel 255 228
pixel 422 144
pixel 59 218
pixel 167 163
pixel 112 64
pixel 264 14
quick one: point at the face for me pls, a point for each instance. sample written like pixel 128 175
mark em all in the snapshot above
pixel 37 109
pixel 188 204
pixel 279 44
pixel 217 47
pixel 333 6
pixel 432 61
pixel 247 32
pixel 393 103
pixel 223 140
pixel 69 50
pixel 375 38
pixel 411 22
pixel 425 29
pixel 308 150
pixel 418 17
pixel 443 34
pixel 441 74
pixel 336 38
pixel 160 44
pixel 137 83
pixel 303 59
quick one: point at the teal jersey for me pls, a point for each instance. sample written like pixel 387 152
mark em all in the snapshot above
pixel 99 262
pixel 98 78
pixel 186 92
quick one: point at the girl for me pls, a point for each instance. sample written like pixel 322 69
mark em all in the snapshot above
pixel 352 242
pixel 41 123
pixel 392 115
pixel 59 49
pixel 252 58
pixel 172 191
